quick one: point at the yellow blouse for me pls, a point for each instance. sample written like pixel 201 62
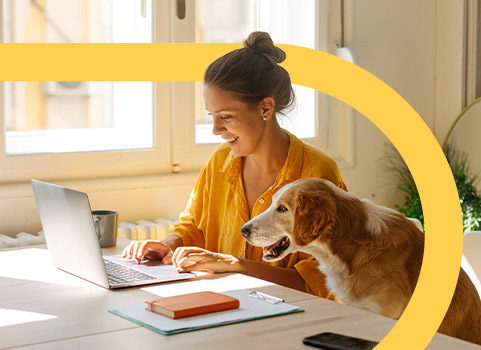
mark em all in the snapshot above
pixel 217 207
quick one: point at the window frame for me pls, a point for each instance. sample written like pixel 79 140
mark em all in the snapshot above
pixel 472 60
pixel 334 121
pixel 97 164
pixel 174 147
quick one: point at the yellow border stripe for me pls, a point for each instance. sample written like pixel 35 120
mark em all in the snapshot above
pixel 425 159
pixel 108 62
pixel 326 73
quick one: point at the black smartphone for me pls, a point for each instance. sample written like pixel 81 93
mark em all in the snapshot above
pixel 333 341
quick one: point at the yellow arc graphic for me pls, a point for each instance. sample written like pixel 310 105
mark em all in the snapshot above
pixel 317 70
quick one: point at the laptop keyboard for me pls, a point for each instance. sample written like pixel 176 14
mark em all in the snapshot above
pixel 118 273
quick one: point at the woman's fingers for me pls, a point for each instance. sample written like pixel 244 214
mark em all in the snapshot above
pixel 167 259
pixel 197 259
pixel 183 251
pixel 188 256
pixel 203 267
pixel 196 262
pixel 184 258
pixel 132 251
pixel 127 252
pixel 191 259
pixel 149 249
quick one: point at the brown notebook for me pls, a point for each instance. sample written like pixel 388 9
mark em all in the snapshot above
pixel 192 304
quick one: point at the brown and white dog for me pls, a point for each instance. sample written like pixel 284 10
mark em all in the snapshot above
pixel 371 255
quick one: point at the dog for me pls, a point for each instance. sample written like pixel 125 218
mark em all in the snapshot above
pixel 371 255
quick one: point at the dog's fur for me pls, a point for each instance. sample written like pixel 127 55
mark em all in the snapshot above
pixel 371 255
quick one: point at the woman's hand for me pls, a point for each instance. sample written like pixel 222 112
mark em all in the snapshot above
pixel 149 249
pixel 187 259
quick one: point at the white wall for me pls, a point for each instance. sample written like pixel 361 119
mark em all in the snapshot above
pixel 416 48
pixel 393 40
pixel 411 45
pixel 135 199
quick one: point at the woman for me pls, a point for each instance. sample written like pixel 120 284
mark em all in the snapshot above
pixel 244 91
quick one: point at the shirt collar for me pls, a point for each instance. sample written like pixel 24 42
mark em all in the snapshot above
pixel 292 167
pixel 290 171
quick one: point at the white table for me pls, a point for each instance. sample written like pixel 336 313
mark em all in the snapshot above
pixel 44 308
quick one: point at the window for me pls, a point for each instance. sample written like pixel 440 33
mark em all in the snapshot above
pixel 286 21
pixel 77 116
pixel 81 129
pixel 100 129
pixel 303 23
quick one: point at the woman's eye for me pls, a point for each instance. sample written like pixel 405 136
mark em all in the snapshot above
pixel 281 209
pixel 227 117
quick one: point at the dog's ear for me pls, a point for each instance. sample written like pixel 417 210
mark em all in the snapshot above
pixel 314 217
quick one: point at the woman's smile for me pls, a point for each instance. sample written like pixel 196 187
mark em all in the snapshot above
pixel 232 140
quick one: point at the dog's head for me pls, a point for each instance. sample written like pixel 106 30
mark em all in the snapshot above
pixel 301 212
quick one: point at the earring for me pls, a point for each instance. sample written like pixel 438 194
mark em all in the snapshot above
pixel 265 118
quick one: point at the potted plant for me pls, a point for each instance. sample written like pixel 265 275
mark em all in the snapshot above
pixel 469 196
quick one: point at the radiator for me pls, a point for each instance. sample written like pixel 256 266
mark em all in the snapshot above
pixel 21 239
pixel 142 230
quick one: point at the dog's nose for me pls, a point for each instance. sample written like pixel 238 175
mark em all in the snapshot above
pixel 245 230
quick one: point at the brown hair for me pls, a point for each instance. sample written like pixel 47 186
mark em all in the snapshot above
pixel 252 73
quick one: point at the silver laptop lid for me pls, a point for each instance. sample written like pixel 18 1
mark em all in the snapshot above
pixel 70 232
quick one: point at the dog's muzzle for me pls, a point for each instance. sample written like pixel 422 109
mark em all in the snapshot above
pixel 246 230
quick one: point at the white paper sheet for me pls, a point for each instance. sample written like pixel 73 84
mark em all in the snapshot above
pixel 250 308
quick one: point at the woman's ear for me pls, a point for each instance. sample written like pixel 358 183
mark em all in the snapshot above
pixel 267 107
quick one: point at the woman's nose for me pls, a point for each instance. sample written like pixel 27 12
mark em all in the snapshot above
pixel 218 127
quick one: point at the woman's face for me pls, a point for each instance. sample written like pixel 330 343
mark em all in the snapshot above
pixel 240 124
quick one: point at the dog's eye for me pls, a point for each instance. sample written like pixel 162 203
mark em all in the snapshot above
pixel 281 209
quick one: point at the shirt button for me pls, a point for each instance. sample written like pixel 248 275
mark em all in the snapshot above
pixel 261 201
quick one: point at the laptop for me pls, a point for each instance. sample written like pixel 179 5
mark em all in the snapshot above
pixel 73 244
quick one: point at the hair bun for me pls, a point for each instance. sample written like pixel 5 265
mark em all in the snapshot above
pixel 261 43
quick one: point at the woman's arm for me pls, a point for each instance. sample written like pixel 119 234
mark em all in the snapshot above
pixel 186 230
pixel 198 259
